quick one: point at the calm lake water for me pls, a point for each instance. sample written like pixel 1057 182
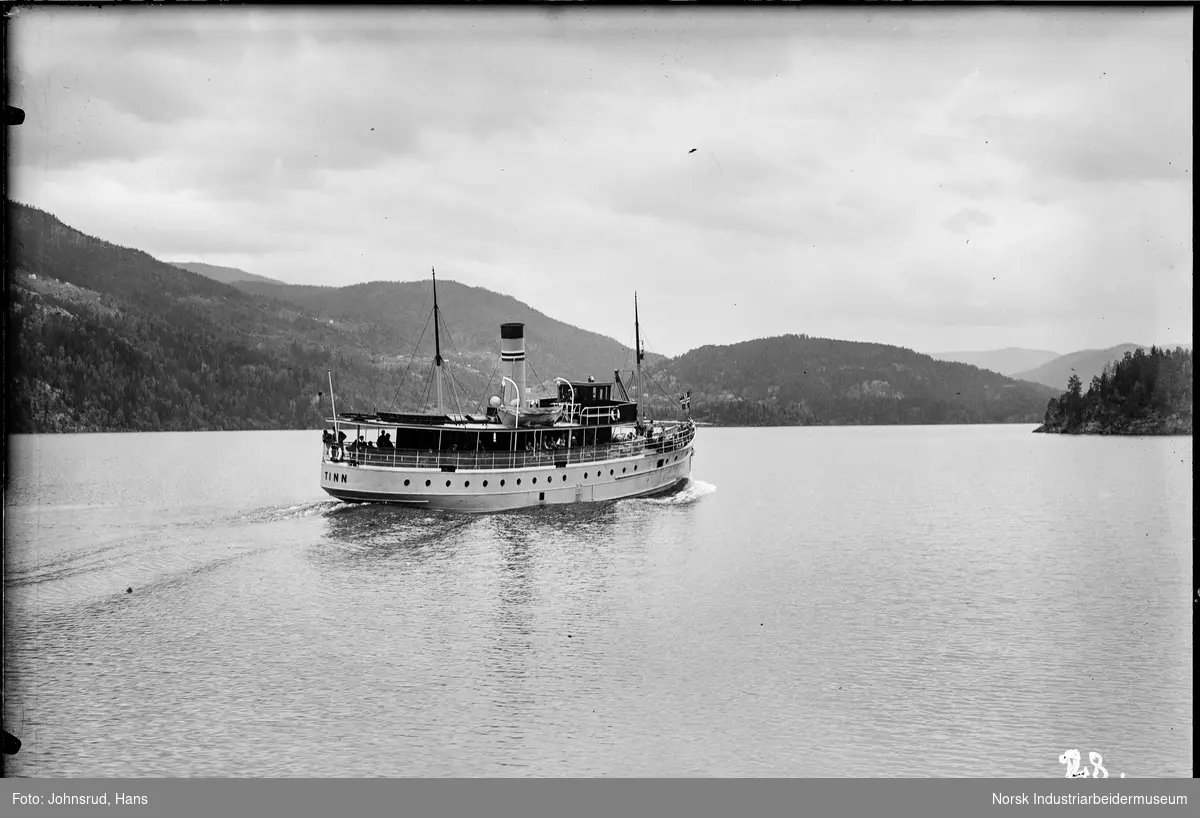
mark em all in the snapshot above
pixel 879 601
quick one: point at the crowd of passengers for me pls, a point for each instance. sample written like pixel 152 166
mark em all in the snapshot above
pixel 548 443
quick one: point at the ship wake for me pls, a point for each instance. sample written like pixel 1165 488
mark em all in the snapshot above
pixel 274 514
pixel 692 491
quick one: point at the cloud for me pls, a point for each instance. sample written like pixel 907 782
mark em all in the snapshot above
pixel 842 158
pixel 961 221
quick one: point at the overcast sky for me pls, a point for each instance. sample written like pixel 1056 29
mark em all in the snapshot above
pixel 933 178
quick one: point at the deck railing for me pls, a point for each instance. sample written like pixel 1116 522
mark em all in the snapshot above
pixel 593 415
pixel 484 460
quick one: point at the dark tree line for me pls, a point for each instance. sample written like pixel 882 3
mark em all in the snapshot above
pixel 1142 393
pixel 80 367
pixel 104 338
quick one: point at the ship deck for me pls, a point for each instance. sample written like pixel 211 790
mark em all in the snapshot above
pixel 493 461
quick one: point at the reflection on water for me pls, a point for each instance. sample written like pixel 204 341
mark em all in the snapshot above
pixel 908 602
pixel 375 536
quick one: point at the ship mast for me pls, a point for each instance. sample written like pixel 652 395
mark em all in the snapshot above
pixel 637 341
pixel 437 345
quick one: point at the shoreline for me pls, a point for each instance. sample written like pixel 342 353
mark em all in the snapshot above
pixel 1168 427
pixel 699 424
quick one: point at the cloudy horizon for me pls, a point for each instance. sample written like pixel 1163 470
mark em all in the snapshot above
pixel 938 179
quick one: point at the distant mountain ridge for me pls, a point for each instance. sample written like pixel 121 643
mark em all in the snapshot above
pixel 392 316
pixel 107 338
pixel 1086 363
pixel 1008 361
pixel 226 275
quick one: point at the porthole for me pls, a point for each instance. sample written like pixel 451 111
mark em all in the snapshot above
pixel 406 482
pixel 466 484
pixel 622 470
pixel 635 468
pixel 428 482
pixel 518 481
pixel 485 484
pixel 447 484
pixel 502 483
pixel 585 474
pixel 535 481
pixel 611 472
pixel 564 478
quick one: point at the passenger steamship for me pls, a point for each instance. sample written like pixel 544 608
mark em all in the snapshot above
pixel 586 444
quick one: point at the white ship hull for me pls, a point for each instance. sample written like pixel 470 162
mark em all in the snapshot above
pixel 485 490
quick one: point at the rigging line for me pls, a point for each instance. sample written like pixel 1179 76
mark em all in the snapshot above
pixel 541 381
pixel 428 383
pixel 427 317
pixel 648 371
pixel 660 389
pixel 453 380
pixel 487 388
pixel 425 304
pixel 652 374
pixel 412 357
pixel 431 389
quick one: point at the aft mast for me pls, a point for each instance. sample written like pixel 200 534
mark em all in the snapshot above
pixel 637 341
pixel 437 345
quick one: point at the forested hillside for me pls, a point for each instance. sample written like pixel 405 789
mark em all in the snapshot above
pixel 797 379
pixel 393 316
pixel 106 338
pixel 1143 393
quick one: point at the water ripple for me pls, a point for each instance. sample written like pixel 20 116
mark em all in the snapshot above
pixel 907 602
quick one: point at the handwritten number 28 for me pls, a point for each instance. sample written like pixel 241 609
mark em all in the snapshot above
pixel 1071 759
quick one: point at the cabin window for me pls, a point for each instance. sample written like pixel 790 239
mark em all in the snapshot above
pixel 611 472
pixel 622 470
pixel 541 495
pixel 485 484
pixel 660 464
pixel 635 468
pixel 466 484
pixel 518 481
pixel 406 482
pixel 585 475
pixel 564 478
pixel 428 482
